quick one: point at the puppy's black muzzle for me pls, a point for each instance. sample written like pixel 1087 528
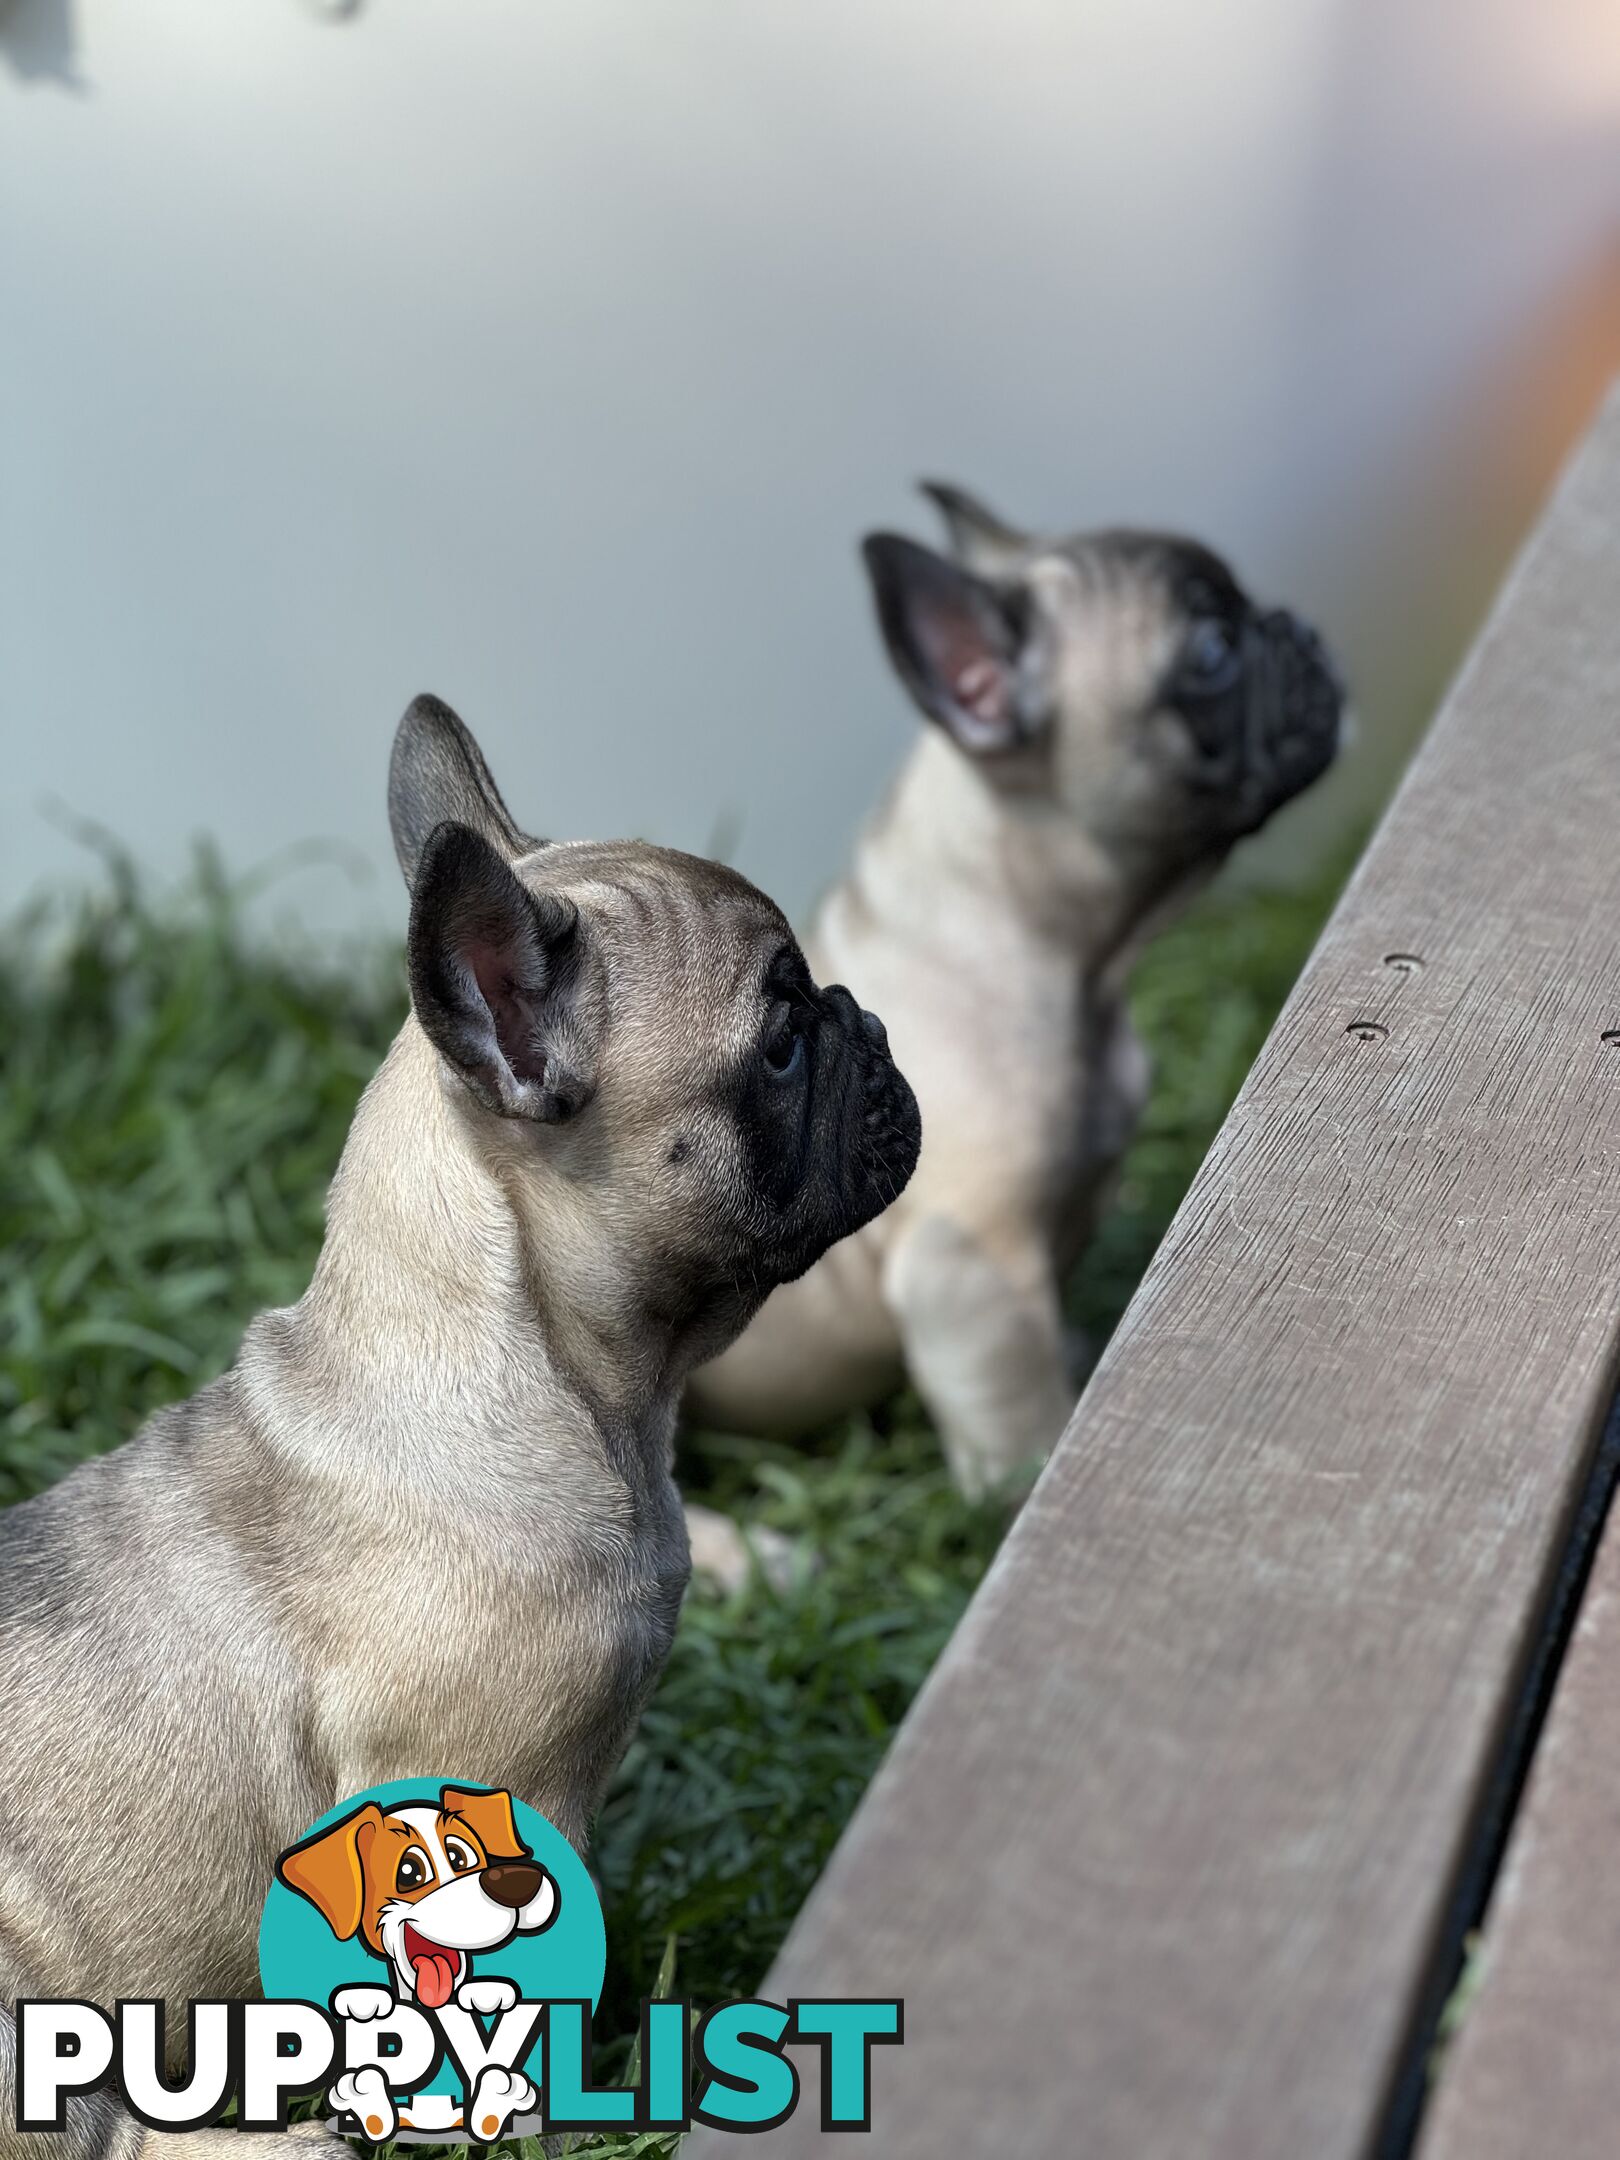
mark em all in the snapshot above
pixel 855 1019
pixel 1296 711
pixel 866 1129
pixel 891 1122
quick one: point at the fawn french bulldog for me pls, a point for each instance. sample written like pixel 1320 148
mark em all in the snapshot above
pixel 426 1525
pixel 1109 715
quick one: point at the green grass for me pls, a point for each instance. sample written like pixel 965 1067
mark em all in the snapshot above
pixel 174 1100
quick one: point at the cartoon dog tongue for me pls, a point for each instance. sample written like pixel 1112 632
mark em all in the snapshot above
pixel 433 1969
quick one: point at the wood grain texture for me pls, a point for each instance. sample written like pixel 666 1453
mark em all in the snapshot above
pixel 1536 2067
pixel 1159 1858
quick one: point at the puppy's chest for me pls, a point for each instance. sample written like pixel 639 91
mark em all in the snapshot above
pixel 537 1651
pixel 521 1662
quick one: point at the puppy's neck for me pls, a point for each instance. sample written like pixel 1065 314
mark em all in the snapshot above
pixel 451 1297
pixel 950 842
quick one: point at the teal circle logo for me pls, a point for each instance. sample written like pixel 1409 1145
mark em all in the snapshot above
pixel 427 1892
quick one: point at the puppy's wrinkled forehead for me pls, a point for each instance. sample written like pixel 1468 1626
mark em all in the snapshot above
pixel 1118 604
pixel 681 931
pixel 1179 579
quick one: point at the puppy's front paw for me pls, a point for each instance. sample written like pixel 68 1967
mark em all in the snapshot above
pixel 364 2095
pixel 362 2003
pixel 487 1997
pixel 497 2097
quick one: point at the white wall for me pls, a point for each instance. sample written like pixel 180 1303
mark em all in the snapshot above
pixel 552 354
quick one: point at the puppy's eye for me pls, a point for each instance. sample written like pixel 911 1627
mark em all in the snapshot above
pixel 1210 656
pixel 460 1856
pixel 413 1871
pixel 784 1049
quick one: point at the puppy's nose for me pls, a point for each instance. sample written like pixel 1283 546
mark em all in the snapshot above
pixel 1307 639
pixel 512 1882
pixel 848 1011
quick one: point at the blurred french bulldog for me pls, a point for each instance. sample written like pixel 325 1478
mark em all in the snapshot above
pixel 426 1527
pixel 1110 714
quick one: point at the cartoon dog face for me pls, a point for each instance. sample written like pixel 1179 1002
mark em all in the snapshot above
pixel 423 1887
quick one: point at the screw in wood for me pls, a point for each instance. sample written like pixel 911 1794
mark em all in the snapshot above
pixel 1404 963
pixel 1367 1030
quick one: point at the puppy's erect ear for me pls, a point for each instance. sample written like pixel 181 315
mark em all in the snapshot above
pixel 437 774
pixel 979 539
pixel 960 645
pixel 490 1818
pixel 493 967
pixel 329 1869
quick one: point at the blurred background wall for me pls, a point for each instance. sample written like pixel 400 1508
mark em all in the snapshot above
pixel 552 354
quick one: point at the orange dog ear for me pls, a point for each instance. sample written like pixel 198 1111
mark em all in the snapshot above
pixel 329 1870
pixel 490 1818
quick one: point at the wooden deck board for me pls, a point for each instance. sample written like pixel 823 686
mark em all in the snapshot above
pixel 1159 1859
pixel 1536 2066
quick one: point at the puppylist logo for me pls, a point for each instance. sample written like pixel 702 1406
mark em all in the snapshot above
pixel 431 1956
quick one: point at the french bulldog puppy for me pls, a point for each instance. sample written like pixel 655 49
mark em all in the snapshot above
pixel 426 1526
pixel 1110 713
